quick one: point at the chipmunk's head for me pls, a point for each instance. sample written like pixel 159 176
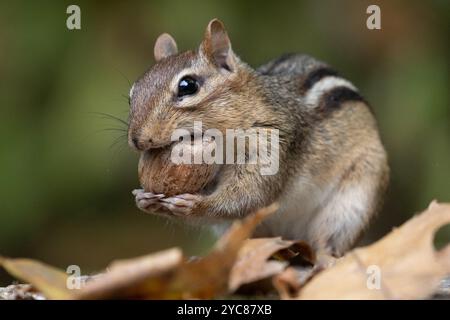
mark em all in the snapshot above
pixel 202 85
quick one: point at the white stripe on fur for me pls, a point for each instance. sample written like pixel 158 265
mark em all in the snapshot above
pixel 324 85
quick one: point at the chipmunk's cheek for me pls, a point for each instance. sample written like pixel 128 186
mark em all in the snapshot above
pixel 181 205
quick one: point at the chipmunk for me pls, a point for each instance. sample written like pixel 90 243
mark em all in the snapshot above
pixel 333 169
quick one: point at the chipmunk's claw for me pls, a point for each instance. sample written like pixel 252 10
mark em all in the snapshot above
pixel 182 204
pixel 147 201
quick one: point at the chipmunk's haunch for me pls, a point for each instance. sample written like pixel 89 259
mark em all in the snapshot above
pixel 333 168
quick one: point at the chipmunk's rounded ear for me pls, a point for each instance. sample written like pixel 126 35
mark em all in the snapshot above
pixel 165 46
pixel 216 46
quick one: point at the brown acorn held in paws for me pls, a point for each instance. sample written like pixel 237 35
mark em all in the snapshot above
pixel 160 175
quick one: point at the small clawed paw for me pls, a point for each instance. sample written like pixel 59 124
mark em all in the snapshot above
pixel 147 201
pixel 182 204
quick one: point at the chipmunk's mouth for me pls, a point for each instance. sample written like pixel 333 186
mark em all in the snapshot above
pixel 170 144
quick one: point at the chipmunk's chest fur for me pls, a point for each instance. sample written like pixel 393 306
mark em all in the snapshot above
pixel 300 202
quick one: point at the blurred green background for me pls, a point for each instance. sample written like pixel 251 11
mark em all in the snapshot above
pixel 66 179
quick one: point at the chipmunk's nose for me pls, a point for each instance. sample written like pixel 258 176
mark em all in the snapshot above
pixel 142 145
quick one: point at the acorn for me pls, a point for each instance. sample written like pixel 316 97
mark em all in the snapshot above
pixel 159 174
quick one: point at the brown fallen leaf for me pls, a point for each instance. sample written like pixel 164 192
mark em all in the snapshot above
pixel 125 278
pixel 137 278
pixel 50 281
pixel 408 265
pixel 208 277
pixel 298 253
pixel 253 262
pixel 166 275
pixel 162 275
pixel 289 282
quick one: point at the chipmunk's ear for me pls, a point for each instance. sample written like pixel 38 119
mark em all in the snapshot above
pixel 165 46
pixel 216 46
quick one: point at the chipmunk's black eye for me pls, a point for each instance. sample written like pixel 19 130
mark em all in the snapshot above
pixel 187 86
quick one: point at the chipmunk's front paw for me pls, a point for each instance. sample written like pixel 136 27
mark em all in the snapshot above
pixel 147 201
pixel 182 204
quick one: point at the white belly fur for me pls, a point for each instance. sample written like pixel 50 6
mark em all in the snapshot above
pixel 299 204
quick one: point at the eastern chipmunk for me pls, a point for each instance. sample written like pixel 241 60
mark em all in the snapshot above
pixel 333 169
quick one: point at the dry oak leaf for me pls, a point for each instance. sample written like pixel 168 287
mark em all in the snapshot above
pixel 138 278
pixel 167 275
pixel 409 266
pixel 161 275
pixel 127 278
pixel 253 262
pixel 207 277
pixel 289 282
